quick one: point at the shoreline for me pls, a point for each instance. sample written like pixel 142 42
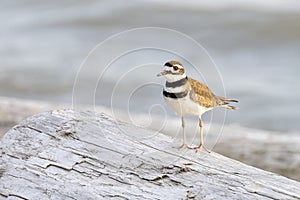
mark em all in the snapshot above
pixel 272 151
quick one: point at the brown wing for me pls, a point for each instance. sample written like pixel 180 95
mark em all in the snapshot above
pixel 201 94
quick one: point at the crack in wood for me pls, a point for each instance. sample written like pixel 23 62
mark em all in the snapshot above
pixel 32 128
pixel 58 166
pixel 113 196
pixel 269 196
pixel 18 196
pixel 158 178
pixel 262 194
pixel 39 131
pixel 119 180
pixel 2 171
pixel 190 195
pixel 3 195
pixel 24 178
pixel 13 156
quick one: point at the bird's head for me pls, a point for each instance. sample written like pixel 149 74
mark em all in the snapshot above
pixel 173 71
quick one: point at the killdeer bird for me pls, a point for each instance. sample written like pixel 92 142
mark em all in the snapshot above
pixel 187 96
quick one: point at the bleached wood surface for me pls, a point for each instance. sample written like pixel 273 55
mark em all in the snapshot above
pixel 278 152
pixel 70 155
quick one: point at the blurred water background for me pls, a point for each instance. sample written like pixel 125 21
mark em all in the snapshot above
pixel 255 45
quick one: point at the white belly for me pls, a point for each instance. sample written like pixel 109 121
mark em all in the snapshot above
pixel 185 106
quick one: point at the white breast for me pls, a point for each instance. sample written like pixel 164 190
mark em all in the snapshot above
pixel 185 106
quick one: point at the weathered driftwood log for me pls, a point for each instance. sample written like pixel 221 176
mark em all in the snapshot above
pixel 83 155
pixel 278 152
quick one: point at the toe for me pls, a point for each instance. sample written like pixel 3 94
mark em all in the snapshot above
pixel 182 147
pixel 201 146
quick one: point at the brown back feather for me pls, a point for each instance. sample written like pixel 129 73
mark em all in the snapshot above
pixel 201 94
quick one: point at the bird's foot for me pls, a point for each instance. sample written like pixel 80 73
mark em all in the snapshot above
pixel 202 146
pixel 184 146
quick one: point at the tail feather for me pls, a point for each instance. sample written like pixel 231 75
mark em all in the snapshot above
pixel 227 99
pixel 229 107
pixel 223 102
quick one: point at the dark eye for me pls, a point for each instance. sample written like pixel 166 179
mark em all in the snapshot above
pixel 175 68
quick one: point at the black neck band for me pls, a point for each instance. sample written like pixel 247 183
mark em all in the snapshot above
pixel 175 95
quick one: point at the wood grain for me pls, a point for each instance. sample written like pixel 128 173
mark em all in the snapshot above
pixel 64 154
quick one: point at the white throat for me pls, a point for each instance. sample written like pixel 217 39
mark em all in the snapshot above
pixel 172 78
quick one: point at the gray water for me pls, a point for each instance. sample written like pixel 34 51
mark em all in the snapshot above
pixel 255 51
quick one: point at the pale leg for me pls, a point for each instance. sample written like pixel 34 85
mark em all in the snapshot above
pixel 201 145
pixel 184 145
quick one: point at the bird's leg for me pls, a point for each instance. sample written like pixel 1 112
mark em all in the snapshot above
pixel 201 145
pixel 184 145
